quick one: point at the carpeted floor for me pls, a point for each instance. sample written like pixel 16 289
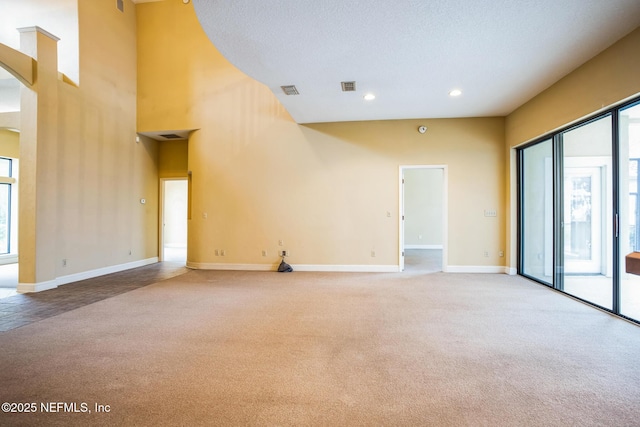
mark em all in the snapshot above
pixel 264 348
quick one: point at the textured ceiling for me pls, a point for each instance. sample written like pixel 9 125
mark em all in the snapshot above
pixel 411 53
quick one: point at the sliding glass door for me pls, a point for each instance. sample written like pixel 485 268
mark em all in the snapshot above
pixel 537 211
pixel 579 210
pixel 587 212
pixel 629 135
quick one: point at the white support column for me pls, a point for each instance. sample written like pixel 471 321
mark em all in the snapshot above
pixel 38 160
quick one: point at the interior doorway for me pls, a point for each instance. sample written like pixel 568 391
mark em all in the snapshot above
pixel 173 230
pixel 423 218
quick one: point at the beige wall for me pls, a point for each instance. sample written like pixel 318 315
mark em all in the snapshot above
pixel 172 159
pixel 9 144
pixel 9 120
pixel 103 172
pixel 80 192
pixel 607 79
pixel 329 192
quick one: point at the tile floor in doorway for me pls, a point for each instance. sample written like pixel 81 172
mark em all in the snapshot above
pixel 8 280
pixel 22 309
pixel 422 260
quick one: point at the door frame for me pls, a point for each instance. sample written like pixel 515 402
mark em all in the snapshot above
pixel 445 212
pixel 597 225
pixel 606 194
pixel 162 212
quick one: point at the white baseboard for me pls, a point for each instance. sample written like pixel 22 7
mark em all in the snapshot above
pixel 51 284
pixel 76 277
pixel 63 280
pixel 347 268
pixel 475 269
pixel 234 267
pixel 423 246
pixel 25 288
pixel 8 259
pixel 297 267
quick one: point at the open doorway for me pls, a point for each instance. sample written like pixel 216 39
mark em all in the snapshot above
pixel 173 232
pixel 423 218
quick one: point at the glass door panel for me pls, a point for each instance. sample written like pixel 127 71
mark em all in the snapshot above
pixel 537 212
pixel 587 212
pixel 629 135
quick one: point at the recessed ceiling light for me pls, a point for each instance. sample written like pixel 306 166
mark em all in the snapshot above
pixel 369 97
pixel 455 92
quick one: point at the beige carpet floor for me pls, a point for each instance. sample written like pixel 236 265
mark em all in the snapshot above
pixel 327 349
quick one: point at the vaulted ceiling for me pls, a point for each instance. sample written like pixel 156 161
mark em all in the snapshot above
pixel 411 53
pixel 408 53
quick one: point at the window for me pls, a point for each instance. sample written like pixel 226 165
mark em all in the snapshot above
pixel 537 212
pixel 7 205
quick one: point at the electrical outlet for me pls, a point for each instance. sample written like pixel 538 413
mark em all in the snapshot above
pixel 264 253
pixel 64 262
pixel 217 252
pixel 284 253
pixel 280 243
pixel 373 254
pixel 501 253
pixel 486 254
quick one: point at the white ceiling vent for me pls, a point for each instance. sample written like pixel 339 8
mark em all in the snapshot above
pixel 290 90
pixel 171 136
pixel 348 86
